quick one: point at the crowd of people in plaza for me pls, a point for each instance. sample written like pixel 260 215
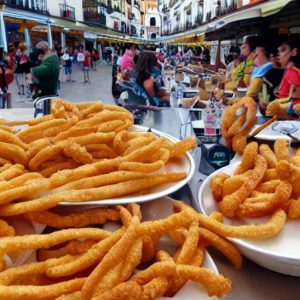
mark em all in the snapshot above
pixel 144 66
pixel 268 69
pixel 36 71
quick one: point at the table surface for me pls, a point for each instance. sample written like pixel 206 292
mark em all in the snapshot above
pixel 252 281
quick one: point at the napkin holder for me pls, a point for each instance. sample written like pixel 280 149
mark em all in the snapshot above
pixel 213 157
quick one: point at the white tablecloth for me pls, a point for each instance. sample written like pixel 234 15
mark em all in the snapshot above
pixel 16 114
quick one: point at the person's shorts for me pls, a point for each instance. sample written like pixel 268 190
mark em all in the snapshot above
pixel 68 69
pixel 85 69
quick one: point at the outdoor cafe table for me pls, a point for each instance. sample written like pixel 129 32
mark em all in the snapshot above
pixel 251 282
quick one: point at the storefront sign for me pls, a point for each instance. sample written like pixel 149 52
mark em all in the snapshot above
pixel 90 35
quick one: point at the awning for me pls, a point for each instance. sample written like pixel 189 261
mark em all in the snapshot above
pixel 86 28
pixel 274 7
pixel 24 15
pixel 63 23
pixel 191 39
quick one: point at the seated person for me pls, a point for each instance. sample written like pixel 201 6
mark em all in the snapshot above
pixel 146 79
pixel 244 70
pixel 289 89
pixel 233 59
pixel 270 85
pixel 262 66
pixel 46 75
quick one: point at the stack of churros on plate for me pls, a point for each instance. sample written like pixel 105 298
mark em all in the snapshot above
pixel 78 153
pixel 266 182
pixel 81 262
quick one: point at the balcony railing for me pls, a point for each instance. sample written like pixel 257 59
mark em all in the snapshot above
pixel 91 15
pixel 67 11
pixel 38 6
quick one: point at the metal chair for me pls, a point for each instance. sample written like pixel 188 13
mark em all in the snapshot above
pixel 42 105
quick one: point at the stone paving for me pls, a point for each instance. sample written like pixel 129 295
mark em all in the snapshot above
pixel 98 89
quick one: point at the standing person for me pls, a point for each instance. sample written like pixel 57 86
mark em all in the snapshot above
pixel 67 62
pixel 95 58
pixel 12 50
pixel 6 77
pixel 75 53
pixel 80 59
pixel 22 67
pixel 86 66
pixel 127 62
pixel 45 76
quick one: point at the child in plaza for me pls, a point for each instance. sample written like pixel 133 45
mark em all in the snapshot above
pixel 86 66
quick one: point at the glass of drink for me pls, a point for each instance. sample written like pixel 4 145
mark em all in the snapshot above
pixel 210 122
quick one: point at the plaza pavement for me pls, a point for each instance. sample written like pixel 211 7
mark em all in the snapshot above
pixel 76 91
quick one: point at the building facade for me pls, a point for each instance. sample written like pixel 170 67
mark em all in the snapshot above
pixel 180 16
pixel 70 22
pixel 152 20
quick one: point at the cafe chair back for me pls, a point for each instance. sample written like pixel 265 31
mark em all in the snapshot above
pixel 42 105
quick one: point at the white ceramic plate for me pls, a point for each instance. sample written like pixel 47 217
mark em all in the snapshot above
pixel 160 209
pixel 184 163
pixel 279 253
pixel 23 227
pixel 278 129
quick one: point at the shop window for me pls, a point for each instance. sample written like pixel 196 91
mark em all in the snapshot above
pixel 133 30
pixel 152 21
pixel 116 25
pixel 153 35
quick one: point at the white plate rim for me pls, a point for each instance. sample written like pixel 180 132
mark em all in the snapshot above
pixel 238 241
pixel 140 199
pixel 270 137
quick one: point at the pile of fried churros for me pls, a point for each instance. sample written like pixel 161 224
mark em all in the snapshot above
pixel 237 122
pixel 80 152
pixel 266 182
pixel 81 262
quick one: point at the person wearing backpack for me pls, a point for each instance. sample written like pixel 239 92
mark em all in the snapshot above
pixel 80 58
pixel 21 67
pixel 67 62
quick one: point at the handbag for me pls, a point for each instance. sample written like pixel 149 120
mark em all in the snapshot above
pixel 80 57
pixel 66 56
